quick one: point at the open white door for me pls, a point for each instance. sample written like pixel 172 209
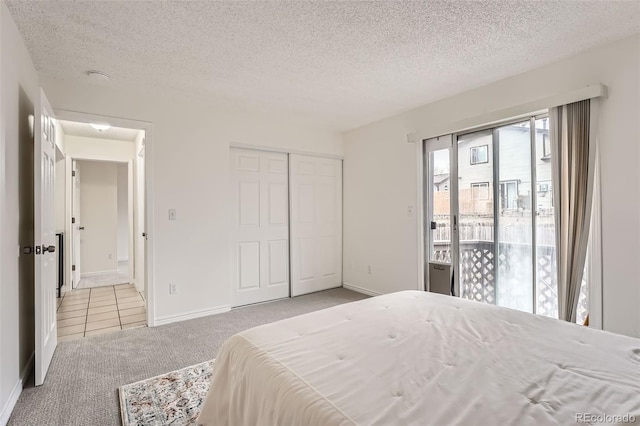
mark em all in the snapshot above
pixel 316 223
pixel 75 223
pixel 45 238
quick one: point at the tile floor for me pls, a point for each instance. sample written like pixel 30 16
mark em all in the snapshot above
pixel 92 311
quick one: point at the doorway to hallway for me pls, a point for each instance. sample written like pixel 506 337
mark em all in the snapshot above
pixel 100 211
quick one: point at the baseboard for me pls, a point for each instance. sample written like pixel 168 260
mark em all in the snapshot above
pixel 11 403
pixel 192 315
pixel 17 390
pixel 359 289
pixel 94 274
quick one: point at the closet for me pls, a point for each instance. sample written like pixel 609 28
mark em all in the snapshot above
pixel 286 233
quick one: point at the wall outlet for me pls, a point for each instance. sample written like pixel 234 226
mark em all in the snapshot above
pixel 173 288
pixel 369 269
pixel 172 214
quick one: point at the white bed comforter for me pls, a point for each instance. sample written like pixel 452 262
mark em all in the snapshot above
pixel 416 358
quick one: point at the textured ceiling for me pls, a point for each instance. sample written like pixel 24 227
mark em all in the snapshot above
pixel 341 63
pixel 73 128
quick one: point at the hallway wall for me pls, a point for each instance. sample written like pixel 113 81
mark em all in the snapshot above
pixel 99 216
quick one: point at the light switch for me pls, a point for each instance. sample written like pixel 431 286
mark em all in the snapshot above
pixel 172 214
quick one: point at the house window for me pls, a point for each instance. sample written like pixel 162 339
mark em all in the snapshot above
pixel 480 190
pixel 479 154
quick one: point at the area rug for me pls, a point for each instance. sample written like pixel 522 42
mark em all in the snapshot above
pixel 173 398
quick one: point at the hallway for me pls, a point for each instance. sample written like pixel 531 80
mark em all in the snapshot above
pixel 89 312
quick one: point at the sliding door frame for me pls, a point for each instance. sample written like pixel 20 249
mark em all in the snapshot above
pixel 429 146
pixel 455 215
pixel 534 214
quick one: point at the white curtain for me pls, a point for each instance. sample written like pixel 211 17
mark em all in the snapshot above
pixel 573 160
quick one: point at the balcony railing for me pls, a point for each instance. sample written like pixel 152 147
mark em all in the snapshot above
pixel 478 276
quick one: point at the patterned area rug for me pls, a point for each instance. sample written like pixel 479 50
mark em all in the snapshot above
pixel 173 398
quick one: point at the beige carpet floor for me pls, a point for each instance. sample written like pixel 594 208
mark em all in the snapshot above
pixel 82 385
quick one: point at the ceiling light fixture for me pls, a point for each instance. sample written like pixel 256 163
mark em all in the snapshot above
pixel 97 76
pixel 100 127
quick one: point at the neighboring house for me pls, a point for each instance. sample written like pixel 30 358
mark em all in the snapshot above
pixel 475 172
pixel 475 169
pixel 441 182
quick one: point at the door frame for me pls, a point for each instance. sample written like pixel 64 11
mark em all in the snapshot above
pixel 71 194
pixel 149 287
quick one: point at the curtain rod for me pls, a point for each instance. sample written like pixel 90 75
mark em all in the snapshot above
pixel 520 110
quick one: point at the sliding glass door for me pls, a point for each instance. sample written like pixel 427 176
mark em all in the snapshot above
pixel 475 218
pixel 515 217
pixel 490 215
pixel 494 238
pixel 438 214
pixel 495 195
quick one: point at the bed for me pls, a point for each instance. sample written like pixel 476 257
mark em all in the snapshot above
pixel 417 358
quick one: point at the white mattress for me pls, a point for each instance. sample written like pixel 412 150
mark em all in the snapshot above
pixel 416 358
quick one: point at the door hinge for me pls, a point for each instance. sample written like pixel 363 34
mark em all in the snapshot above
pixel 73 173
pixel 73 220
pixel 73 267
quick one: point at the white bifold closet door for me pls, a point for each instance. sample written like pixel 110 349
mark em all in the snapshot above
pixel 260 232
pixel 316 223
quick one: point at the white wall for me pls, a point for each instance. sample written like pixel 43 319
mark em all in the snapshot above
pixel 123 211
pixel 19 87
pixel 94 148
pixel 99 216
pixel 189 147
pixel 380 174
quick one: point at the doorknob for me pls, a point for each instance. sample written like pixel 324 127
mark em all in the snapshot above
pixel 27 250
pixel 49 249
pixel 81 228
